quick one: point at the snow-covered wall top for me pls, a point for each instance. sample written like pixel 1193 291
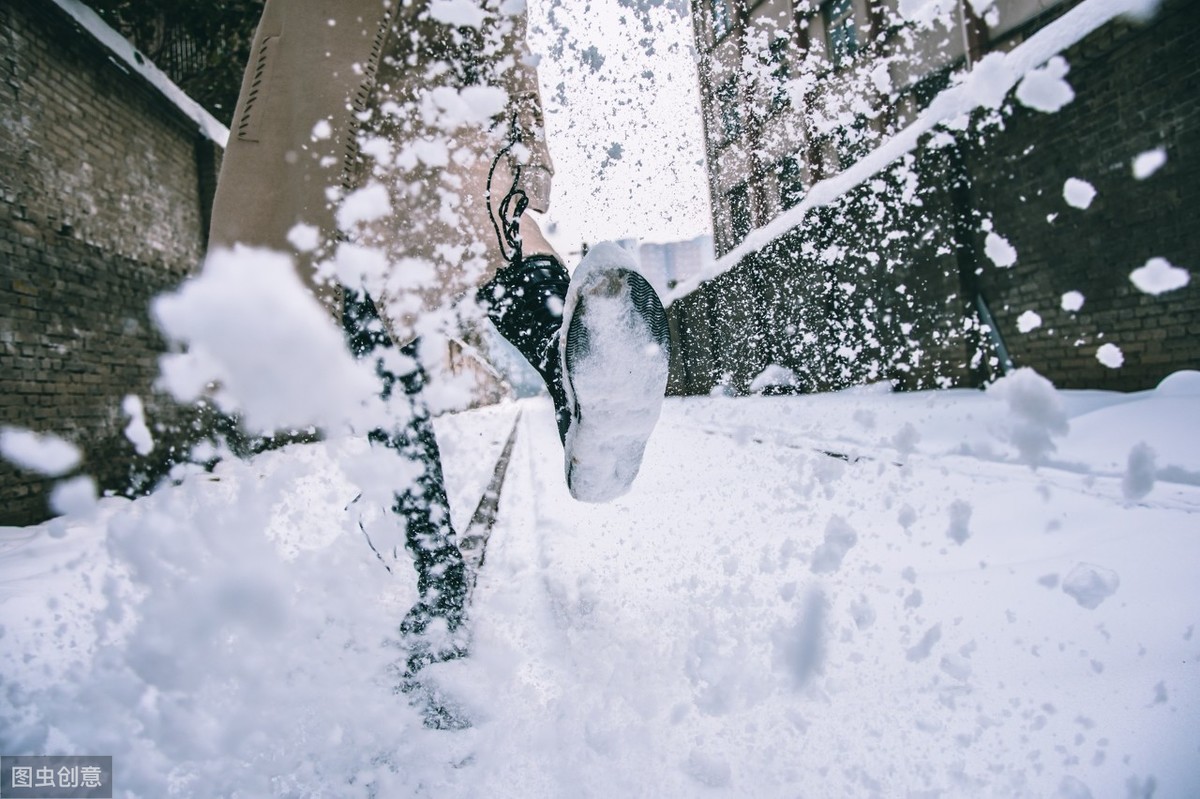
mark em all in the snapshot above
pixel 986 85
pixel 91 22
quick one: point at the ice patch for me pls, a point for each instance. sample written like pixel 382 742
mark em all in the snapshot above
pixel 1090 585
pixel 44 453
pixel 1149 162
pixel 1110 355
pixel 1078 193
pixel 1158 276
pixel 1043 89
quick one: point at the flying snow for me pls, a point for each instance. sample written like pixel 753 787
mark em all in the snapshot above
pixel 1149 162
pixel 1110 355
pixel 1078 193
pixel 1043 89
pixel 1158 276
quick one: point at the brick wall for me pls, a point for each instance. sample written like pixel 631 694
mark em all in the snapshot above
pixel 104 190
pixel 879 286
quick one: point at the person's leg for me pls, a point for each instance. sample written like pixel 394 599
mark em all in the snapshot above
pixel 421 505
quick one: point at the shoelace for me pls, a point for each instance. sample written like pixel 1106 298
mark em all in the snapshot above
pixel 508 226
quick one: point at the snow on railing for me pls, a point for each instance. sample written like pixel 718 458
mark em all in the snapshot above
pixel 986 85
pixel 91 22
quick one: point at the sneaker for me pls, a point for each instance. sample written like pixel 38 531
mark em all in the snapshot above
pixel 615 357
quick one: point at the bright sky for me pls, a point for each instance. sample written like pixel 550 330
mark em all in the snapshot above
pixel 622 111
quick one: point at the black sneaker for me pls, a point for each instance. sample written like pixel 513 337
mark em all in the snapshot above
pixel 615 364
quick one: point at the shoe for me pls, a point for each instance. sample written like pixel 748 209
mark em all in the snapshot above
pixel 615 360
pixel 525 302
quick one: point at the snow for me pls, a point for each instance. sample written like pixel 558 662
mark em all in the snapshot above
pixel 1159 276
pixel 457 13
pixel 1149 162
pixel 234 633
pixel 260 344
pixel 998 250
pixel 74 497
pixel 1110 355
pixel 1028 321
pixel 1044 89
pixel 1090 585
pixel 91 22
pixel 1139 474
pixel 1078 193
pixel 44 453
pixel 1072 301
pixel 368 204
pixel 136 431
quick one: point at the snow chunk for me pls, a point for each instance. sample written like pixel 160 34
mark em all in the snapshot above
pixel 136 431
pixel 44 453
pixel 322 130
pixel 1078 193
pixel 774 377
pixel 998 249
pixel 1158 276
pixel 881 77
pixel 925 645
pixel 304 238
pixel 252 327
pixel 448 108
pixel 800 649
pixel 1043 89
pixel 365 205
pixel 1030 320
pixel 960 520
pixel 73 497
pixel 1138 480
pixel 458 13
pixel 1072 301
pixel 1037 413
pixel 1149 162
pixel 839 538
pixel 1090 585
pixel 1110 355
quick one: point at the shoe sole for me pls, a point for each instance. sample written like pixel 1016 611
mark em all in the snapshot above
pixel 615 365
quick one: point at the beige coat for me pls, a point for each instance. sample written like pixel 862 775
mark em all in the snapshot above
pixel 345 103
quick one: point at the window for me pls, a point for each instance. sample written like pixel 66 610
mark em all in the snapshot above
pixel 722 18
pixel 739 212
pixel 791 181
pixel 780 71
pixel 731 114
pixel 840 33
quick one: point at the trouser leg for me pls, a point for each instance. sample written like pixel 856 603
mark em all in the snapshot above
pixel 421 505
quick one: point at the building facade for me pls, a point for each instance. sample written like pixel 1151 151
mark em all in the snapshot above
pixel 891 273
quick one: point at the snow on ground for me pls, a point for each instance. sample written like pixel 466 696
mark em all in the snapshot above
pixel 855 594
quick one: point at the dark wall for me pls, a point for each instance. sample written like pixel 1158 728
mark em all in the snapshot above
pixel 104 189
pixel 885 283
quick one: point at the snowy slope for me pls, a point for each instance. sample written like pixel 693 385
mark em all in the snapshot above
pixel 928 615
